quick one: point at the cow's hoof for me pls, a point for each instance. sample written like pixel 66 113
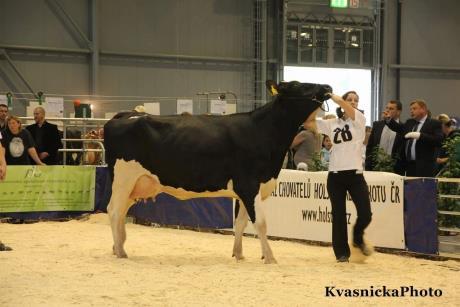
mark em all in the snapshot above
pixel 238 257
pixel 118 253
pixel 270 261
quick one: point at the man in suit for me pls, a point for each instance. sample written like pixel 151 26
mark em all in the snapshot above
pixel 385 138
pixel 422 139
pixel 46 137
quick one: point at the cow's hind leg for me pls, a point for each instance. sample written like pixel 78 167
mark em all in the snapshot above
pixel 117 209
pixel 241 220
pixel 249 195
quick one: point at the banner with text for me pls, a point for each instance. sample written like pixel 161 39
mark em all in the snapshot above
pixel 300 208
pixel 48 188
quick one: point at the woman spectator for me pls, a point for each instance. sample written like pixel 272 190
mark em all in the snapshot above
pixel 18 144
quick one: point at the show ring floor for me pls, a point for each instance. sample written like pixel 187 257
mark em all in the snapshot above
pixel 71 263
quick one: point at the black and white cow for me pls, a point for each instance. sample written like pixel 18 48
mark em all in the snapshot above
pixel 238 156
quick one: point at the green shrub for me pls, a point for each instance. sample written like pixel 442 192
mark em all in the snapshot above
pixel 450 170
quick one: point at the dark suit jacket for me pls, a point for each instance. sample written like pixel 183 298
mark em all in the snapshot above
pixel 374 141
pixel 51 141
pixel 427 146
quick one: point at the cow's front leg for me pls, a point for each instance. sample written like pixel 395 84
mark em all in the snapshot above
pixel 261 227
pixel 241 220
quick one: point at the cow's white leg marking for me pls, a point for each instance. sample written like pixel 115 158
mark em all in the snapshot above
pixel 261 228
pixel 267 188
pixel 240 224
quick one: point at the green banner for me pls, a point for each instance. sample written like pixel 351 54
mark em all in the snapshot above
pixel 48 188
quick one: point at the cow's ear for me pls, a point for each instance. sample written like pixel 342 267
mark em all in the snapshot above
pixel 272 87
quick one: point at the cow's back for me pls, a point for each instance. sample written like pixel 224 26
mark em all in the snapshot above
pixel 196 153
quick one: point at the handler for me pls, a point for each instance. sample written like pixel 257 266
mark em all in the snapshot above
pixel 3 247
pixel 346 173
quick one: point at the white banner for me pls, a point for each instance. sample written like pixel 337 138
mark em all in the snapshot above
pixel 299 208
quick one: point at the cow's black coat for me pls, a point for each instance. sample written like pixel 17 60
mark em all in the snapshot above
pixel 203 152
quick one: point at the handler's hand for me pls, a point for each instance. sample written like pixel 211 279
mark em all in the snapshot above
pixel 334 97
pixel 412 135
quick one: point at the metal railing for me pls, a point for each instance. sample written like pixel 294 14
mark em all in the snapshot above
pixel 82 125
pixel 84 150
pixel 453 243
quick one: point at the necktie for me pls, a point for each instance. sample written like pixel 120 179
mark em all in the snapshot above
pixel 409 155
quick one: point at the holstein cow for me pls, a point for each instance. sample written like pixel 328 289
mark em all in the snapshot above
pixel 238 156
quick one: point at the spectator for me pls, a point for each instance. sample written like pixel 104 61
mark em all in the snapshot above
pixel 3 116
pixel 422 139
pixel 449 131
pixel 306 145
pixel 385 138
pixel 18 144
pixel 326 150
pixel 46 137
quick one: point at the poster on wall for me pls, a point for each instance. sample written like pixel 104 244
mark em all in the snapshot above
pixel 3 99
pixel 184 106
pixel 152 108
pixel 218 106
pixel 54 106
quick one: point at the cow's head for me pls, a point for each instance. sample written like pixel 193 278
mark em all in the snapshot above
pixel 300 91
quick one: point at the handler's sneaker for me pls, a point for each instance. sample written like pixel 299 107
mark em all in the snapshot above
pixel 342 259
pixel 364 248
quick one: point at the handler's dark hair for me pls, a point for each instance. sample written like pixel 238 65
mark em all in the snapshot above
pixel 345 96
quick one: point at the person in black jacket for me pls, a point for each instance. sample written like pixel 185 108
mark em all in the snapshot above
pixel 385 138
pixel 46 137
pixel 422 139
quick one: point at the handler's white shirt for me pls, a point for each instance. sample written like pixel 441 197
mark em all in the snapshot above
pixel 347 137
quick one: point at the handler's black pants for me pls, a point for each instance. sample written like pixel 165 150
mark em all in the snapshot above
pixel 338 183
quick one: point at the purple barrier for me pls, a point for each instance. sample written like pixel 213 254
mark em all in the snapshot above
pixel 420 216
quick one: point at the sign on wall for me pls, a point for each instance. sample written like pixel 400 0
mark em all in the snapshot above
pixel 54 106
pixel 218 106
pixel 184 106
pixel 299 208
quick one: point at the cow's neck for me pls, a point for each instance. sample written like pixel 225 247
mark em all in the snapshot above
pixel 282 122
